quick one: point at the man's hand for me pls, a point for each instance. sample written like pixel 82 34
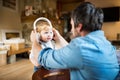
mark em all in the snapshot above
pixel 36 47
pixel 33 36
pixel 56 34
pixel 59 40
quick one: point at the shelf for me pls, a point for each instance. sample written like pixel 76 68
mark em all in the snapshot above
pixel 29 18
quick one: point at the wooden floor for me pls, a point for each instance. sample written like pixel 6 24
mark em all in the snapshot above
pixel 20 70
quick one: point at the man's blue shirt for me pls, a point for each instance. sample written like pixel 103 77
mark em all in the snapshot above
pixel 91 57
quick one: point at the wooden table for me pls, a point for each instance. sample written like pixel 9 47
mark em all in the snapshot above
pixel 11 55
pixel 27 49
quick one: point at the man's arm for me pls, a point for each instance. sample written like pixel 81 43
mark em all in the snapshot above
pixel 36 47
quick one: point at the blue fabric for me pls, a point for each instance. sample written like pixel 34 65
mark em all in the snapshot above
pixel 89 58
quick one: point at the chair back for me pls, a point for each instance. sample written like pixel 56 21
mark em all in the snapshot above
pixel 56 74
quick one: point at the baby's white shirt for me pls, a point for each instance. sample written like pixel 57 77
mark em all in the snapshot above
pixel 49 44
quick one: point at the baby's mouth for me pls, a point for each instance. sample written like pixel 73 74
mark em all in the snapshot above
pixel 48 38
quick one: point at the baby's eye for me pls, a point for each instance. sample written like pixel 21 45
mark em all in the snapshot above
pixel 46 32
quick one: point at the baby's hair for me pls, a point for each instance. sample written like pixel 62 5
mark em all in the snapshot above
pixel 42 25
pixel 41 19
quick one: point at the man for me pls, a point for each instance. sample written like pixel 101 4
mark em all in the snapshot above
pixel 89 56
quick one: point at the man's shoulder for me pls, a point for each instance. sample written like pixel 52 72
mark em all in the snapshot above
pixel 79 41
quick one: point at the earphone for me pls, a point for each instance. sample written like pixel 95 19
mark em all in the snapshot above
pixel 35 27
pixel 41 18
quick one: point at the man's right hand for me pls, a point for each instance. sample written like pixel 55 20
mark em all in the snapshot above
pixel 33 36
pixel 59 40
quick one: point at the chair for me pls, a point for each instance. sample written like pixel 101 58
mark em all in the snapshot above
pixel 56 74
pixel 118 57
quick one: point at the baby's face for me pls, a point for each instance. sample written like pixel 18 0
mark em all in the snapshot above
pixel 46 35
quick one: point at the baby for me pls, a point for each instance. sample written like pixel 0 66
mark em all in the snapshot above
pixel 44 36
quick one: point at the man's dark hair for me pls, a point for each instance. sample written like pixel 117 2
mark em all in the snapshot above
pixel 89 16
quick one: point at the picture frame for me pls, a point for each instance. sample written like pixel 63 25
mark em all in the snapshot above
pixel 11 34
pixel 10 4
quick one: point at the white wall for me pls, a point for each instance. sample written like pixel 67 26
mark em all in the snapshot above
pixel 9 18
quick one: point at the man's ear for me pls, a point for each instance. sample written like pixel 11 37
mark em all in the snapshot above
pixel 79 28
